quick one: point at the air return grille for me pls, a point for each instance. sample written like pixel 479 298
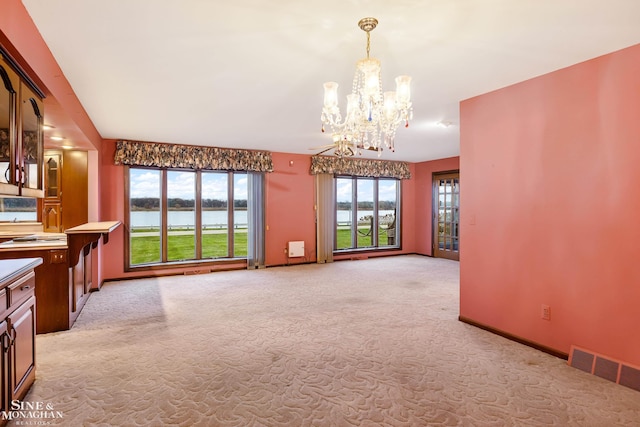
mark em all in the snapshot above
pixel 296 249
pixel 605 367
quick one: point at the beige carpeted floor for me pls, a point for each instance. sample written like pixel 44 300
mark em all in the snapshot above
pixel 355 343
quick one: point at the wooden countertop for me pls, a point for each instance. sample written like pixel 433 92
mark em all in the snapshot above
pixel 94 227
pixel 10 268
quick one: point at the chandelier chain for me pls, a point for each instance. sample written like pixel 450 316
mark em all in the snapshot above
pixel 368 43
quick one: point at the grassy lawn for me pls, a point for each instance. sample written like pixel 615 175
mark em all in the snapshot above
pixel 146 249
pixel 344 239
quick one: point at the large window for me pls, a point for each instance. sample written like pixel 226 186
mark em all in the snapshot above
pixel 185 215
pixel 367 210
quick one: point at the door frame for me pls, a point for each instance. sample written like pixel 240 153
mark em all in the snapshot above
pixel 436 252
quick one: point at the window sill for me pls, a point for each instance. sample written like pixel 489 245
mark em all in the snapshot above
pixel 200 266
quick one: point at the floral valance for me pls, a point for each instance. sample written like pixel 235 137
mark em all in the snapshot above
pixel 359 167
pixel 191 157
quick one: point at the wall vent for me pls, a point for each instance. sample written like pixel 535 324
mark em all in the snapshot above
pixel 192 272
pixel 296 249
pixel 605 367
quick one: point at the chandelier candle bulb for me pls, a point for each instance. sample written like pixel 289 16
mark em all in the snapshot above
pixel 390 104
pixel 403 89
pixel 372 116
pixel 331 96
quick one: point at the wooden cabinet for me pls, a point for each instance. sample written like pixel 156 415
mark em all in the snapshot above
pixel 17 329
pixel 21 139
pixel 66 200
pixel 57 306
pixel 51 217
pixel 22 353
pixel 64 279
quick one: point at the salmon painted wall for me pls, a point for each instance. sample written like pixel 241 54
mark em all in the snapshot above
pixel 290 213
pixel 423 205
pixel 550 207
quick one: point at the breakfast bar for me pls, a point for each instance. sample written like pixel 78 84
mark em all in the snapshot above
pixel 64 280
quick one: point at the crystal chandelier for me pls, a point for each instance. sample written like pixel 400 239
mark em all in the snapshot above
pixel 372 115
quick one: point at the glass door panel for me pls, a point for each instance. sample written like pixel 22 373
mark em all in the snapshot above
pixel 446 215
pixel 32 152
pixel 8 86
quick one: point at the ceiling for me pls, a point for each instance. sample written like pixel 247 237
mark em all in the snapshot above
pixel 249 73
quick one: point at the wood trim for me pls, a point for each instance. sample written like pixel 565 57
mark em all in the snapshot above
pixel 23 75
pixel 512 337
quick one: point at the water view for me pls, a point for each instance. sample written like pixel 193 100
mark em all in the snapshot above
pixel 217 219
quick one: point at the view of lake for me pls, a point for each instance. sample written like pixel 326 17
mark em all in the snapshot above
pixel 177 218
pixel 213 218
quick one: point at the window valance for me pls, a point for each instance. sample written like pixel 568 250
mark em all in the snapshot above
pixel 359 167
pixel 191 157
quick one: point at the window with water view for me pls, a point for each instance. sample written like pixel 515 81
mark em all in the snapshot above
pixel 366 213
pixel 202 216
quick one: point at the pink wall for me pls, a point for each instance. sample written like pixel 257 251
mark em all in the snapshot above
pixel 551 205
pixel 290 213
pixel 423 205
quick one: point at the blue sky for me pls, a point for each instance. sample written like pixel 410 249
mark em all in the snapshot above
pixel 146 183
pixel 386 190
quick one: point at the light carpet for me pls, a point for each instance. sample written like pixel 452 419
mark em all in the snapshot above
pixel 354 343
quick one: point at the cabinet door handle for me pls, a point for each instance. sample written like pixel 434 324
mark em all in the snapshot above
pixel 6 342
pixel 6 175
pixel 23 288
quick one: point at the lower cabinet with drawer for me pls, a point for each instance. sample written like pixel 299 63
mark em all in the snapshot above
pixel 17 330
pixel 61 290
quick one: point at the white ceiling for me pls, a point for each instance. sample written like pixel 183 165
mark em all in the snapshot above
pixel 249 73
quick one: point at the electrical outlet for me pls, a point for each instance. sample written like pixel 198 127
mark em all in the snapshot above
pixel 545 313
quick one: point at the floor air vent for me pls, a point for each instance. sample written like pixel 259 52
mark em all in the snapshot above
pixel 605 367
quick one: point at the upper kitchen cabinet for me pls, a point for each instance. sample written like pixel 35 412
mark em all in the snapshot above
pixel 31 143
pixel 8 139
pixel 21 139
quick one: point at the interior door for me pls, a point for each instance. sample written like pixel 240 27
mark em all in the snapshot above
pixel 446 215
